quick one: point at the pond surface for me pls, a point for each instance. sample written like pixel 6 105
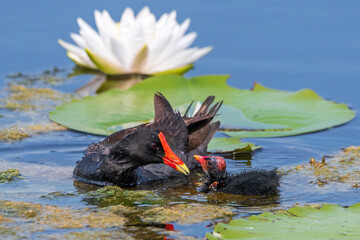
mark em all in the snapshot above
pixel 283 45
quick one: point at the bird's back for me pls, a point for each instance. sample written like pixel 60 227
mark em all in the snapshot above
pixel 253 182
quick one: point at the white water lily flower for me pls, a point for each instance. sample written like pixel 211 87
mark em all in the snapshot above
pixel 136 44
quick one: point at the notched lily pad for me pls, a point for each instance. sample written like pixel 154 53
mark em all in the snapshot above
pixel 113 195
pixel 9 175
pixel 260 112
pixel 328 222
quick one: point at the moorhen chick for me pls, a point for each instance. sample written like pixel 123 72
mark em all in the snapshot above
pixel 152 151
pixel 253 182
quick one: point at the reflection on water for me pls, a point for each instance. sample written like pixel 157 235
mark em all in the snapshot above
pixel 101 83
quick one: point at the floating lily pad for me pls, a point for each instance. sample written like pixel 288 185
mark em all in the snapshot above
pixel 260 112
pixel 328 222
pixel 225 145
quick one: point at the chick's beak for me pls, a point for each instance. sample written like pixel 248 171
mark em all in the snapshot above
pixel 171 159
pixel 201 160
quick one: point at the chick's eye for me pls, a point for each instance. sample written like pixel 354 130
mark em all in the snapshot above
pixel 153 145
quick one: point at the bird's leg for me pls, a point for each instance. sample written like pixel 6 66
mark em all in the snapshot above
pixel 213 186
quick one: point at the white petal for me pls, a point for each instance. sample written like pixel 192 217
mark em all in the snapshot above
pixel 162 21
pixel 81 61
pixel 186 41
pixel 109 24
pixel 71 48
pixel 156 48
pixel 76 58
pixel 120 52
pixel 84 26
pixel 76 53
pixel 128 17
pixel 99 22
pixel 183 58
pixel 184 26
pixel 78 40
pixel 143 14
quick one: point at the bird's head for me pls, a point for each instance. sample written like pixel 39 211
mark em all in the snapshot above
pixel 146 146
pixel 213 166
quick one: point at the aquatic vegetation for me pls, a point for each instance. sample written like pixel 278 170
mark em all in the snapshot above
pixel 9 175
pixel 18 133
pixel 58 194
pixel 260 112
pixel 327 222
pixel 22 218
pixel 344 167
pixel 22 98
pixel 49 77
pixel 136 44
pixel 32 104
pixel 113 195
pixel 187 213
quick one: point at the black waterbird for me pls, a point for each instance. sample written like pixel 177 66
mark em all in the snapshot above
pixel 152 151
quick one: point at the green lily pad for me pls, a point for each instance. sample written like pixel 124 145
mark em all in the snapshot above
pixel 260 112
pixel 226 145
pixel 328 222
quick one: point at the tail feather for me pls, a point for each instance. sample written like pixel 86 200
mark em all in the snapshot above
pixel 162 107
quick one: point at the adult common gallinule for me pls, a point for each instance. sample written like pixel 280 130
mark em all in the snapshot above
pixel 253 182
pixel 137 155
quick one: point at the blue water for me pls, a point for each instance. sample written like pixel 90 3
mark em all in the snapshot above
pixel 287 45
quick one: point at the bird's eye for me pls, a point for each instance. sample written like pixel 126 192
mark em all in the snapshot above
pixel 153 145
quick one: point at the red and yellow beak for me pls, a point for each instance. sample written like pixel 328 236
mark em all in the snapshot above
pixel 171 159
pixel 202 161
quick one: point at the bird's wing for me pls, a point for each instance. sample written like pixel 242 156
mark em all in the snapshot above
pixel 199 127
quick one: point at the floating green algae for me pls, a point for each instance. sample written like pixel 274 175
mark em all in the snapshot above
pixel 9 175
pixel 113 195
pixel 29 106
pixel 22 218
pixel 22 98
pixel 18 133
pixel 58 194
pixel 49 77
pixel 187 213
pixel 344 167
